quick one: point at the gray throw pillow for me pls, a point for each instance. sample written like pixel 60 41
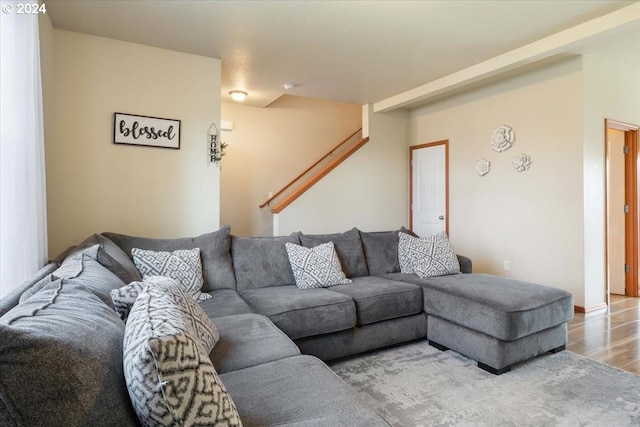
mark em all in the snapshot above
pixel 316 267
pixel 381 250
pixel 169 375
pixel 261 262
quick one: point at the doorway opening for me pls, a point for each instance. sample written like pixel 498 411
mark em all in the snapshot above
pixel 622 210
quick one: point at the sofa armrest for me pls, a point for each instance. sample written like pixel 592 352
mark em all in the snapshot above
pixel 465 264
pixel 13 298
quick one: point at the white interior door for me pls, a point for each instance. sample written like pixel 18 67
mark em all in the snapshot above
pixel 429 190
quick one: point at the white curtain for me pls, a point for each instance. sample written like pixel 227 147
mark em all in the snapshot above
pixel 23 220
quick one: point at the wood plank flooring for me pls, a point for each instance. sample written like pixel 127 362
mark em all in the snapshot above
pixel 610 335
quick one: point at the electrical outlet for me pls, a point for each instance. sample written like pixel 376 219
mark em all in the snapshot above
pixel 506 266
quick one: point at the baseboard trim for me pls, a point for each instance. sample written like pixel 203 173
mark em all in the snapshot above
pixel 580 309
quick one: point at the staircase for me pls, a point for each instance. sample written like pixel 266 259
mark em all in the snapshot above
pixel 314 173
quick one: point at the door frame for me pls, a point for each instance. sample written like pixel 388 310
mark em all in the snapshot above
pixel 444 142
pixel 632 219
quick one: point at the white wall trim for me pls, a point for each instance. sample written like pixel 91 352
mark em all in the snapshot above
pixel 276 224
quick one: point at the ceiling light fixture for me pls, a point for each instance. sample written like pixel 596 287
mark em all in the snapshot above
pixel 238 95
pixel 289 86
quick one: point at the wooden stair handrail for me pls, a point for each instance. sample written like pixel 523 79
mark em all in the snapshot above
pixel 283 189
pixel 331 166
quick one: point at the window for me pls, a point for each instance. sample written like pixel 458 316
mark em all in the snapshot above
pixel 23 233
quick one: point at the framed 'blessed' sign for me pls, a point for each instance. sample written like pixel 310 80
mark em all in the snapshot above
pixel 143 130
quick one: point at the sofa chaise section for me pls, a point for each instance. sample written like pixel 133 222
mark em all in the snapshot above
pixel 495 320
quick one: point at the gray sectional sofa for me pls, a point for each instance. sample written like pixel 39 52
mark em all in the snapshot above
pixel 61 340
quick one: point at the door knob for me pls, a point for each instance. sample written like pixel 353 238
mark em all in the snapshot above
pixel 441 217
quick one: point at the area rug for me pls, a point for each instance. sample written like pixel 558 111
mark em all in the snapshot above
pixel 418 385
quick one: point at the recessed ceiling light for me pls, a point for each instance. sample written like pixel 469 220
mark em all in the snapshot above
pixel 238 95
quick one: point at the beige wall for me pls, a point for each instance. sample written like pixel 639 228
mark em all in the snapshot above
pixel 94 185
pixel 609 93
pixel 532 219
pixel 369 190
pixel 268 147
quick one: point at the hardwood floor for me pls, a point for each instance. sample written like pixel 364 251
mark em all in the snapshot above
pixel 610 335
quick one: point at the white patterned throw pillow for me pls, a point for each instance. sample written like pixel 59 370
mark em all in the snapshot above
pixel 170 378
pixel 124 297
pixel 405 245
pixel 428 256
pixel 317 267
pixel 403 253
pixel 182 265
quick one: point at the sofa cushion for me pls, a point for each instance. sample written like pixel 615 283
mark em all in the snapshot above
pixel 170 378
pixel 348 246
pixel 316 267
pixel 379 299
pixel 261 262
pixel 497 306
pixel 71 267
pixel 214 247
pixel 297 391
pixel 428 256
pixel 381 250
pixel 303 312
pixel 109 255
pixel 249 340
pixel 183 265
pixel 84 269
pixel 225 302
pixel 61 360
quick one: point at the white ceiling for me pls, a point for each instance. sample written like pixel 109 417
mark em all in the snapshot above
pixel 356 52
